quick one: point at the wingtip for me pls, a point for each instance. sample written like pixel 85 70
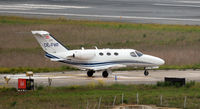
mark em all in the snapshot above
pixel 39 32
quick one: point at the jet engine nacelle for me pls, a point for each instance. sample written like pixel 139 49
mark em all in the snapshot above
pixel 84 55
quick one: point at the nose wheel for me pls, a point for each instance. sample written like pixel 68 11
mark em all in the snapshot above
pixel 90 73
pixel 146 73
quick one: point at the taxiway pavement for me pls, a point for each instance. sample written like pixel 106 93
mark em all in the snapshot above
pixel 139 11
pixel 69 78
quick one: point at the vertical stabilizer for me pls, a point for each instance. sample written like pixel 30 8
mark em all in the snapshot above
pixel 48 43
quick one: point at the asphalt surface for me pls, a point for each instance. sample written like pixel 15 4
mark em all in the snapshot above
pixel 139 11
pixel 122 77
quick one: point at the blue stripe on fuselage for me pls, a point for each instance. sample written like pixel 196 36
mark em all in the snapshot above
pixel 51 56
pixel 97 64
pixel 104 63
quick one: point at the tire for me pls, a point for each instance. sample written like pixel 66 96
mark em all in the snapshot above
pixel 105 74
pixel 90 73
pixel 146 73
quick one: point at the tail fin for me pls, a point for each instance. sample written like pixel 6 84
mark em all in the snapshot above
pixel 48 43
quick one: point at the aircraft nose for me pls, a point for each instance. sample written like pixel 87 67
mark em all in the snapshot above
pixel 154 60
pixel 160 61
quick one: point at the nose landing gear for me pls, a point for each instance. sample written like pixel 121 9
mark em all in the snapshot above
pixel 146 73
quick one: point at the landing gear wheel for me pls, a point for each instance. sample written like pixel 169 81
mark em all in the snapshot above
pixel 146 73
pixel 90 73
pixel 105 74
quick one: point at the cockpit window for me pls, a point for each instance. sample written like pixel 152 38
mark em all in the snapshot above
pixel 138 53
pixel 133 54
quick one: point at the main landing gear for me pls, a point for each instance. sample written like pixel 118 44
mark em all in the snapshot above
pixel 105 74
pixel 146 73
pixel 90 73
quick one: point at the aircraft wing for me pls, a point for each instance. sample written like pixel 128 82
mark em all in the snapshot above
pixel 53 59
pixel 106 67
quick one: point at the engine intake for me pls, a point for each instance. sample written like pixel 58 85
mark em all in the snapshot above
pixel 84 55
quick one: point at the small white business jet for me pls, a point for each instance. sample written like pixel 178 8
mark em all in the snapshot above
pixel 93 60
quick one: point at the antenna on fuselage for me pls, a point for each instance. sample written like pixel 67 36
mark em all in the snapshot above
pixel 82 48
pixel 96 47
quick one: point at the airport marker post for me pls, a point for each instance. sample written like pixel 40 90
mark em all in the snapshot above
pixel 7 79
pixel 122 98
pixel 137 98
pixel 87 104
pixel 99 103
pixel 49 81
pixel 115 77
pixel 184 106
pixel 161 100
pixel 114 100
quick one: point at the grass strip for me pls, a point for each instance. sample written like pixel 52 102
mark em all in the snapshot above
pixel 103 24
pixel 77 97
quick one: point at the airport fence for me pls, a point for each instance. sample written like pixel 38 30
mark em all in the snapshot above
pixel 110 101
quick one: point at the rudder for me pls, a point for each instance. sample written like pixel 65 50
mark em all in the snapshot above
pixel 48 43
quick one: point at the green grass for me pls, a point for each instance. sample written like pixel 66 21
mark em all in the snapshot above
pixel 116 25
pixel 76 97
pixel 16 70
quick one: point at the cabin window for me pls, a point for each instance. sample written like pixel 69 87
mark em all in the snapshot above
pixel 108 54
pixel 116 53
pixel 101 54
pixel 138 53
pixel 133 54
